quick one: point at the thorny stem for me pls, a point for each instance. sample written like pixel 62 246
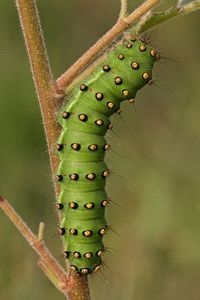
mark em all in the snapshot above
pixel 41 231
pixel 65 79
pixel 41 72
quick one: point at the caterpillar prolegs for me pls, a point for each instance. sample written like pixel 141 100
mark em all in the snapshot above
pixel 82 171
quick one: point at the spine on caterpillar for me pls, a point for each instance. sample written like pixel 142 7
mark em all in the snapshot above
pixel 81 148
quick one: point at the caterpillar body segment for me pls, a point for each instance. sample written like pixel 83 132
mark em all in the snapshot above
pixel 81 148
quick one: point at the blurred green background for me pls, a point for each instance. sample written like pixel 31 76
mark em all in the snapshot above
pixel 154 248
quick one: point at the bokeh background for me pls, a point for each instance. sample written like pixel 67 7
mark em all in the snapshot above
pixel 154 245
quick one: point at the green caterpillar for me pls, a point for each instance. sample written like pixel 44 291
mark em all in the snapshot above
pixel 82 171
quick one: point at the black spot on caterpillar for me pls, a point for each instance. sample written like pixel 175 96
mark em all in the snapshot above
pixel 81 147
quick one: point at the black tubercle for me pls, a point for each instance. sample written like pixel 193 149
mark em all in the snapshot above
pixel 97 268
pixel 99 122
pixel 85 271
pixel 83 87
pixel 146 76
pixel 135 65
pixel 76 146
pixel 102 231
pixel 105 173
pixel 83 117
pixel 110 104
pixel 120 56
pixel 60 177
pixel 106 68
pixel 89 205
pixel 73 205
pixel 109 126
pixel 73 231
pixel 62 231
pixel 60 147
pixel 74 176
pixel 66 114
pixel 143 48
pixel 106 147
pixel 104 203
pixel 99 252
pixel 73 268
pixel 90 176
pixel 118 80
pixel 129 45
pixel 87 233
pixel 76 254
pixel 93 147
pixel 99 96
pixel 59 206
pixel 88 255
pixel 67 254
pixel 125 93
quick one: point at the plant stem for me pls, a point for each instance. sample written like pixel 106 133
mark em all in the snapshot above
pixel 73 287
pixel 48 100
pixel 65 79
pixel 123 10
pixel 61 278
pixel 152 20
pixel 41 72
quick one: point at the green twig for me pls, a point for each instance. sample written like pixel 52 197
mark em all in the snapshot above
pixel 151 20
pixel 123 10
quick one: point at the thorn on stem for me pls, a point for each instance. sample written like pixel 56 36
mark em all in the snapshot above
pixel 41 231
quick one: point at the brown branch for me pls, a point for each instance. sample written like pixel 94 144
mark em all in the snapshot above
pixel 41 72
pixel 65 79
pixel 62 280
pixel 73 287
